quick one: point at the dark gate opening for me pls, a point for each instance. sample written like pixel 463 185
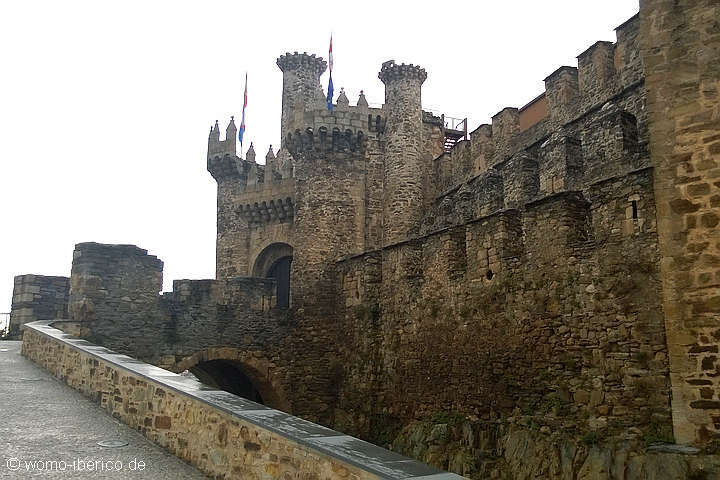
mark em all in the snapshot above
pixel 280 271
pixel 225 375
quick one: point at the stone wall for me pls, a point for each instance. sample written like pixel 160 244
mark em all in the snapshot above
pixel 37 297
pixel 606 72
pixel 114 300
pixel 528 270
pixel 557 302
pixel 680 49
pixel 519 448
pixel 223 435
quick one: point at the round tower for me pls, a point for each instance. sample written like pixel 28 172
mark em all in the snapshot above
pixel 403 194
pixel 301 89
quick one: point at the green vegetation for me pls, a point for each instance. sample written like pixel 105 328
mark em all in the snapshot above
pixel 569 362
pixel 367 313
pixel 713 446
pixel 384 428
pixel 642 357
pixel 699 475
pixel 593 438
pixel 551 402
pixel 658 433
pixel 446 417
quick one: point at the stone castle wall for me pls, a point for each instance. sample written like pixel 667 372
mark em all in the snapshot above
pixel 606 72
pixel 517 309
pixel 37 297
pixel 559 264
pixel 681 47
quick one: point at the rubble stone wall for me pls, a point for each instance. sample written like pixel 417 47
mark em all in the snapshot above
pixel 680 48
pixel 37 297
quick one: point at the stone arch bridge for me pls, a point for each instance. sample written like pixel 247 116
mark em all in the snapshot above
pixel 234 334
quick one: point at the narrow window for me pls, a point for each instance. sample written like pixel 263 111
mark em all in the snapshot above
pixel 635 211
pixel 489 274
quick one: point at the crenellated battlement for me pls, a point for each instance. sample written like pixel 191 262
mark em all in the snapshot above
pixel 222 161
pixel 226 145
pixel 392 71
pixel 606 72
pixel 302 61
pixel 327 141
pixel 344 116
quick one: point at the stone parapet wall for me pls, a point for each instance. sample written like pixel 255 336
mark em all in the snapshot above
pixel 115 300
pixel 37 297
pixel 604 144
pixel 224 435
pixel 606 72
pixel 552 306
pixel 369 120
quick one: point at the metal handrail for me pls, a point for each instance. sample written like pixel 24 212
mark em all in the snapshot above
pixel 4 323
pixel 452 123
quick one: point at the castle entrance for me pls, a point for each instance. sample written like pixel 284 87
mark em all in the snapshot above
pixel 227 375
pixel 248 374
pixel 280 271
pixel 275 262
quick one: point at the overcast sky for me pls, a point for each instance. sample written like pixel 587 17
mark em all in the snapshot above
pixel 105 107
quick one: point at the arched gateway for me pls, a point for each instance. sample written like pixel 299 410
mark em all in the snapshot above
pixel 274 261
pixel 242 373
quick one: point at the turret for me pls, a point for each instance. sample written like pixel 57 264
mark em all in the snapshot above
pixel 230 134
pixel 250 155
pixel 362 104
pixel 301 88
pixel 342 101
pixel 221 154
pixel 404 167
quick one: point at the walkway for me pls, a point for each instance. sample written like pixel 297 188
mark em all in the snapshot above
pixel 48 430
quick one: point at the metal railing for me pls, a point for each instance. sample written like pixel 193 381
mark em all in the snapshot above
pixel 458 124
pixel 4 324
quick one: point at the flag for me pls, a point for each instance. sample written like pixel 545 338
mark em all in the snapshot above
pixel 330 84
pixel 241 131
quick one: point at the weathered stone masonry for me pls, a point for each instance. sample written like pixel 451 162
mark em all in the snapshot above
pixel 558 265
pixel 681 48
pixel 223 435
pixel 37 297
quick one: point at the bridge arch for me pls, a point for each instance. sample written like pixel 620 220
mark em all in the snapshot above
pixel 274 261
pixel 244 373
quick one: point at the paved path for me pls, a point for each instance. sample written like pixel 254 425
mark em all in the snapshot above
pixel 48 430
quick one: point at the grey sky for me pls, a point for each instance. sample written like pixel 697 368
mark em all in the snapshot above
pixel 105 106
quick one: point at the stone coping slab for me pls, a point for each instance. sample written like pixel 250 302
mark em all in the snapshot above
pixel 368 458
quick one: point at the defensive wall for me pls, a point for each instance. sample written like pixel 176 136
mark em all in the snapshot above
pixel 534 275
pixel 37 297
pixel 556 272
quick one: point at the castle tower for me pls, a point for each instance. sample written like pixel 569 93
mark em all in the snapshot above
pixel 403 197
pixel 301 89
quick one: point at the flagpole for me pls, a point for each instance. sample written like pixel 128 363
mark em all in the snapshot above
pixel 330 82
pixel 241 130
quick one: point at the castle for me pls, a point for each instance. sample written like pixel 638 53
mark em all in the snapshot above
pixel 386 265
